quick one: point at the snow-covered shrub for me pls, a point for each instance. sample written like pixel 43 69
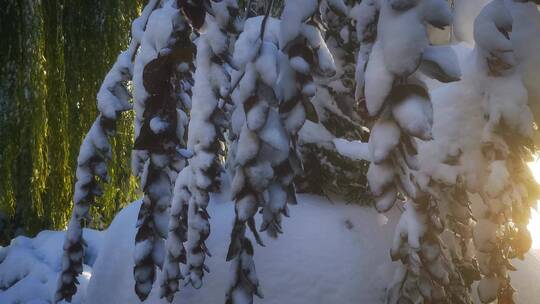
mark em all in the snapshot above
pixel 29 267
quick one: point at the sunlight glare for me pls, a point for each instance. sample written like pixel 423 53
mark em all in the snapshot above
pixel 534 222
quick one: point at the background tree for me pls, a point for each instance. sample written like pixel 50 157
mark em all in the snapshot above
pixel 54 58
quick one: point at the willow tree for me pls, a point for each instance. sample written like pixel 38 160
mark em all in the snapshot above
pixel 53 59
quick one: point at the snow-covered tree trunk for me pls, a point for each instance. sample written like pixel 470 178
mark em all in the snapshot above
pixel 162 84
pixel 113 98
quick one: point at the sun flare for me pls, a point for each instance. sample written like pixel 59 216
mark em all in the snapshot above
pixel 534 223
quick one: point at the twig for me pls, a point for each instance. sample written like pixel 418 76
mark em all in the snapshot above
pixel 248 8
pixel 265 19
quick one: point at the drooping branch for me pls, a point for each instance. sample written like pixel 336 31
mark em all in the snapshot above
pixel 162 84
pixel 509 190
pixel 113 98
pixel 253 154
pixel 304 54
pixel 401 105
pixel 208 120
pixel 269 111
pixel 335 112
pixel 176 254
pixel 178 227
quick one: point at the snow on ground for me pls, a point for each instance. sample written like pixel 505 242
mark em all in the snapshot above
pixel 29 268
pixel 330 253
pixel 526 278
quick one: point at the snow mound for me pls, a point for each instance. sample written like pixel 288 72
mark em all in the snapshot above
pixel 29 268
pixel 330 252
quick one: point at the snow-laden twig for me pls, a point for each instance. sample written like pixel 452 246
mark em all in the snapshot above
pixel 269 110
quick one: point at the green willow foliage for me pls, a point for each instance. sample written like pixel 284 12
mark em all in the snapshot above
pixel 53 57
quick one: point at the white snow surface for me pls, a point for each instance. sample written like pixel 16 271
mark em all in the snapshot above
pixel 352 149
pixel 29 267
pixel 331 252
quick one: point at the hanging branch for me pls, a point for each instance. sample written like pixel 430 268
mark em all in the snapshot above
pixel 162 75
pixel 509 190
pixel 113 98
pixel 178 227
pixel 304 54
pixel 455 208
pixel 205 138
pixel 401 105
pixel 253 154
pixel 261 38
pixel 178 220
pixel 264 127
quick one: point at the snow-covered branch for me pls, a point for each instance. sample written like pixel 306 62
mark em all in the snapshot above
pixel 205 138
pixel 399 100
pixel 258 145
pixel 162 83
pixel 112 99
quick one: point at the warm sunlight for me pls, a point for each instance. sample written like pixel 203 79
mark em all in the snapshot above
pixel 534 223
